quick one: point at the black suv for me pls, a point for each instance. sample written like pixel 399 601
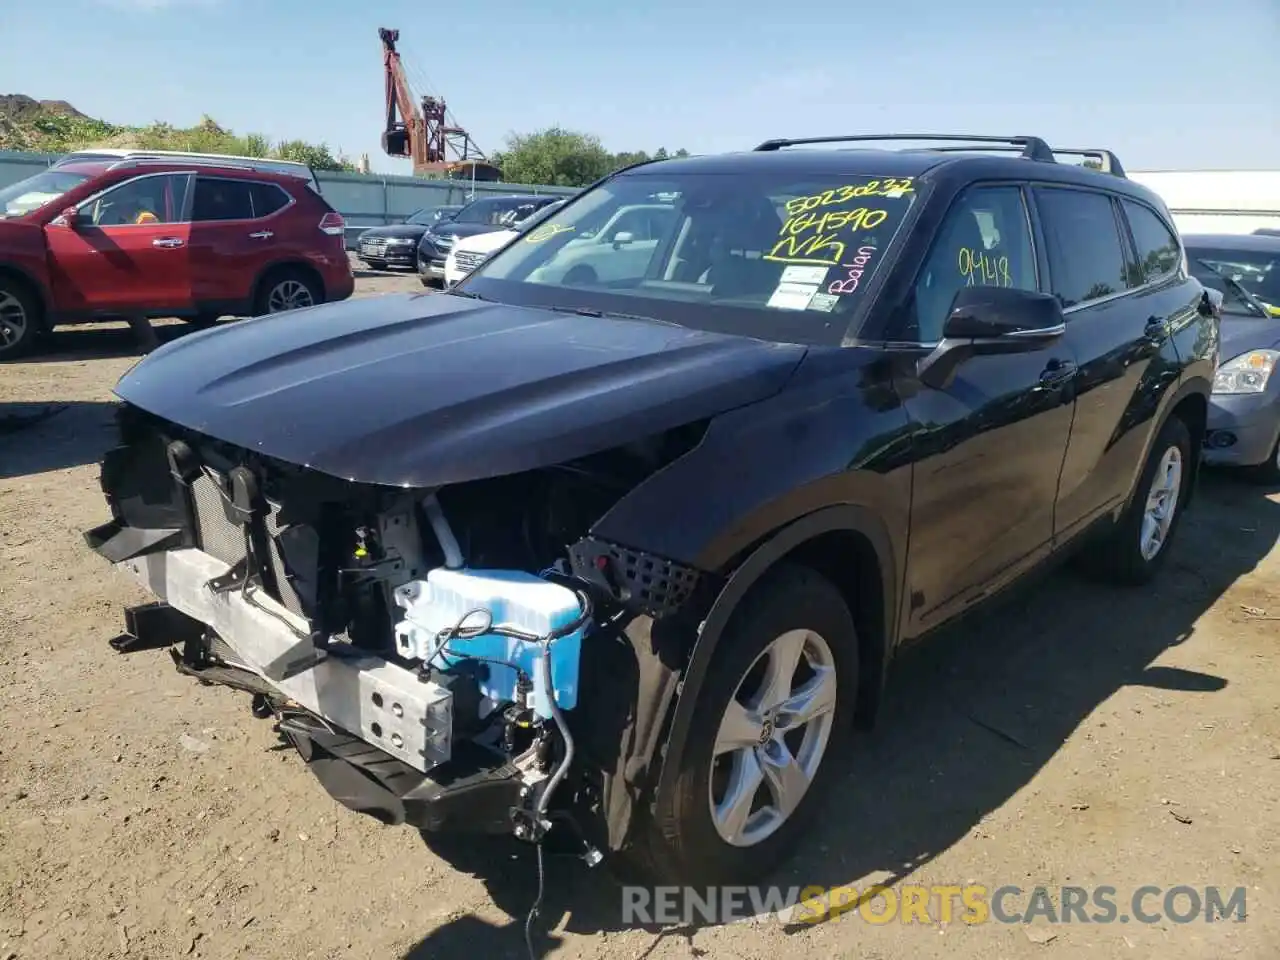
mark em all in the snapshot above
pixel 480 216
pixel 634 547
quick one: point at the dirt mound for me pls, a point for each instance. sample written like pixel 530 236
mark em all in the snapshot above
pixel 18 106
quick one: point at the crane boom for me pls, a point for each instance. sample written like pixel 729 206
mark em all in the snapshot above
pixel 420 130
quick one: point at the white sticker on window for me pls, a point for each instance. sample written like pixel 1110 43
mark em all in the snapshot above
pixel 793 296
pixel 798 274
pixel 825 302
pixel 897 193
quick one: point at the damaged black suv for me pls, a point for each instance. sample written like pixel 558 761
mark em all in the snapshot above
pixel 622 533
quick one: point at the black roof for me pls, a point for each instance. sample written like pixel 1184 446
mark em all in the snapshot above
pixel 1247 242
pixel 922 164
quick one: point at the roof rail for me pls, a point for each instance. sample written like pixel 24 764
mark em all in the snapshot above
pixel 177 161
pixel 1110 163
pixel 1033 148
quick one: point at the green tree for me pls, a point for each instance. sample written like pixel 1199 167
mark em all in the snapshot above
pixel 317 156
pixel 565 158
pixel 554 156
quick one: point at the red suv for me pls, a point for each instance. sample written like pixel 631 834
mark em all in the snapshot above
pixel 162 237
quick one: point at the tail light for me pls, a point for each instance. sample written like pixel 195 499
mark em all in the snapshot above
pixel 333 224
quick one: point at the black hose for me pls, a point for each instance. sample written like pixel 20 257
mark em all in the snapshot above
pixel 536 908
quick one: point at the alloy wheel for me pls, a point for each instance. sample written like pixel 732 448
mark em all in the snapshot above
pixel 1162 503
pixel 13 321
pixel 772 737
pixel 289 295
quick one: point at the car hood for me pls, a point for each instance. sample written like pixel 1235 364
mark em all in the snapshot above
pixel 408 231
pixel 1242 334
pixel 425 389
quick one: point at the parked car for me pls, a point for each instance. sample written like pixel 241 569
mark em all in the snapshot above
pixel 1244 411
pixel 159 237
pixel 1252 260
pixel 467 253
pixel 484 215
pixel 396 245
pixel 636 553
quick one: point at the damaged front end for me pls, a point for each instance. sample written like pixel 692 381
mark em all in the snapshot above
pixel 432 654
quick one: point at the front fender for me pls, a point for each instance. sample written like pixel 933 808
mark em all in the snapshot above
pixel 666 694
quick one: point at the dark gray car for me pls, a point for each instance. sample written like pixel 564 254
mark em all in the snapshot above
pixel 1244 409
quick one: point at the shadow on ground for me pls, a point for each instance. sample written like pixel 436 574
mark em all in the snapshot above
pixel 100 341
pixel 970 718
pixel 54 436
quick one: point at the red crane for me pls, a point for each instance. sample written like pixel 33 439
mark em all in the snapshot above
pixel 421 130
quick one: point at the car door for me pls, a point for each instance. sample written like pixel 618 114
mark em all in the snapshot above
pixel 126 251
pixel 1120 310
pixel 232 241
pixel 990 443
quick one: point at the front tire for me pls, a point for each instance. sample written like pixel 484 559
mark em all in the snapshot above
pixel 1139 543
pixel 772 718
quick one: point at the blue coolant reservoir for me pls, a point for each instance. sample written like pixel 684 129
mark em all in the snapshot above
pixel 514 599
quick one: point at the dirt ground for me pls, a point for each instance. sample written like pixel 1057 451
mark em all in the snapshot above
pixel 1077 736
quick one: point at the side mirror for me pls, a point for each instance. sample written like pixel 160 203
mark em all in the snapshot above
pixel 991 320
pixel 70 216
pixel 622 238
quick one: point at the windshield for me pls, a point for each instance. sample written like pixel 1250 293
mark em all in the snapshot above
pixel 26 195
pixel 777 256
pixel 429 215
pixel 493 210
pixel 532 220
pixel 1258 271
pixel 1236 299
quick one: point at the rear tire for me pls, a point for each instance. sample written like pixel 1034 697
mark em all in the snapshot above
pixel 1139 543
pixel 21 319
pixel 692 835
pixel 287 288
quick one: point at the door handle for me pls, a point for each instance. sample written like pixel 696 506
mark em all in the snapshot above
pixel 1057 373
pixel 167 242
pixel 261 235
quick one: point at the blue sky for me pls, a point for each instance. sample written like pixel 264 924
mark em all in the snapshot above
pixel 1168 84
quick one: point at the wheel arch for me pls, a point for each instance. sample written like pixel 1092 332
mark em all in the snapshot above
pixel 823 541
pixel 1189 403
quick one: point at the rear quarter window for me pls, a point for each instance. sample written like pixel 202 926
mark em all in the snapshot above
pixel 267 198
pixel 1159 251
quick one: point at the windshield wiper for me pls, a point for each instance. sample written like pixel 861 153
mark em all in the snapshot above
pixel 609 314
pixel 468 294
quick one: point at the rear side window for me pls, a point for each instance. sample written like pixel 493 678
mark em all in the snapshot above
pixel 267 198
pixel 217 199
pixel 222 200
pixel 985 241
pixel 1086 259
pixel 1158 249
